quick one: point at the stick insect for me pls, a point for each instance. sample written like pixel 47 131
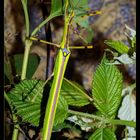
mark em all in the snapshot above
pixel 59 70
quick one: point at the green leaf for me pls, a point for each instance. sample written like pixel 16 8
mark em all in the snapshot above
pixel 90 34
pixel 57 6
pixel 61 111
pixel 32 64
pixel 107 88
pixel 80 11
pixel 30 112
pixel 81 18
pixel 118 46
pixel 103 134
pixel 26 99
pixel 83 22
pixel 79 5
pixel 27 90
pixel 74 94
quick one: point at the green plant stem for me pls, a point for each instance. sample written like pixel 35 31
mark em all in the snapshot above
pixel 122 122
pixel 16 127
pixel 28 44
pixel 91 116
pixel 112 121
pixel 25 8
pixel 41 25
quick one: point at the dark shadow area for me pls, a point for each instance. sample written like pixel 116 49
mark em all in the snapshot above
pixel 8 126
pixel 119 131
pixel 44 102
pixel 60 135
pixel 71 73
pixel 17 44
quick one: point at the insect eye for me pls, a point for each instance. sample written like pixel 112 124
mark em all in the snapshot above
pixel 65 52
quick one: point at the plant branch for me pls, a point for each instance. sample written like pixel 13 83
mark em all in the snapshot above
pixel 122 122
pixel 16 127
pixel 91 116
pixel 43 23
pixel 24 3
pixel 106 120
pixel 28 44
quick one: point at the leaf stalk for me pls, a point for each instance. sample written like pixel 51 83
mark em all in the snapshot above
pixel 106 120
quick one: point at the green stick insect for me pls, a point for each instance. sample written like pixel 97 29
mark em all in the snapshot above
pixel 59 70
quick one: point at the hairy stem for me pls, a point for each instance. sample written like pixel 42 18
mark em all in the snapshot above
pixel 122 122
pixel 91 116
pixel 111 121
